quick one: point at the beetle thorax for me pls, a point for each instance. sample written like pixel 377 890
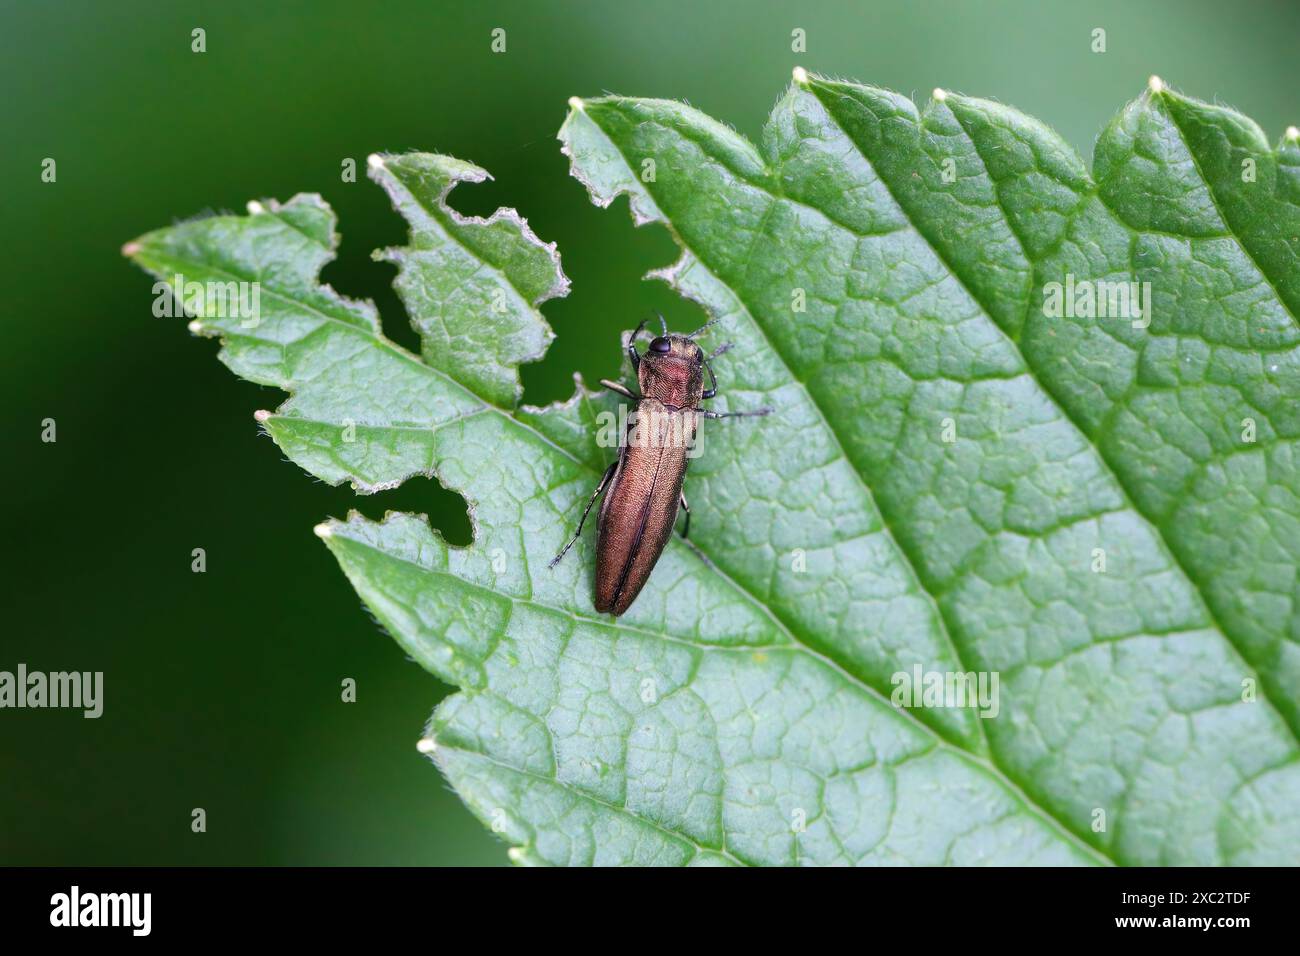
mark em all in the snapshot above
pixel 676 377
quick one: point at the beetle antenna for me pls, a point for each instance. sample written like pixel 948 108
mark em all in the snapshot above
pixel 703 328
pixel 662 323
pixel 722 349
pixel 632 353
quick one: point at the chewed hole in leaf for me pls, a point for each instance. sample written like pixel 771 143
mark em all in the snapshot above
pixel 610 295
pixel 355 273
pixel 446 510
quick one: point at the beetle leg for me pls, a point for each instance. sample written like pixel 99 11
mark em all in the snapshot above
pixel 712 390
pixel 620 388
pixel 757 412
pixel 686 529
pixel 609 473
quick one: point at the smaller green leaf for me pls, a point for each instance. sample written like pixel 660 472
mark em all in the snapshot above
pixel 455 266
pixel 473 286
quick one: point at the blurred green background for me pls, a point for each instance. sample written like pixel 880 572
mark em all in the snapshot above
pixel 223 688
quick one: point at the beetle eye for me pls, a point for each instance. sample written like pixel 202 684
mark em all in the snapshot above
pixel 661 345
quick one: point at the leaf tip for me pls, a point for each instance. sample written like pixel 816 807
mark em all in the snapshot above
pixel 1155 85
pixel 375 161
pixel 516 855
pixel 322 530
pixel 800 76
pixel 196 328
pixel 259 416
pixel 1292 133
pixel 132 248
pixel 939 94
pixel 575 103
pixel 255 208
pixel 426 745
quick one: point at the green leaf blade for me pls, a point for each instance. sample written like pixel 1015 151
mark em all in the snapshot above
pixel 740 713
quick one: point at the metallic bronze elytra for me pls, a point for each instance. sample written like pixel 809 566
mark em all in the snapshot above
pixel 643 488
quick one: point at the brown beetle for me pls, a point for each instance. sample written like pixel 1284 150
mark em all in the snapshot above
pixel 643 488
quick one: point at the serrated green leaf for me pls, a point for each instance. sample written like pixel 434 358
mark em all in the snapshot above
pixel 882 271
